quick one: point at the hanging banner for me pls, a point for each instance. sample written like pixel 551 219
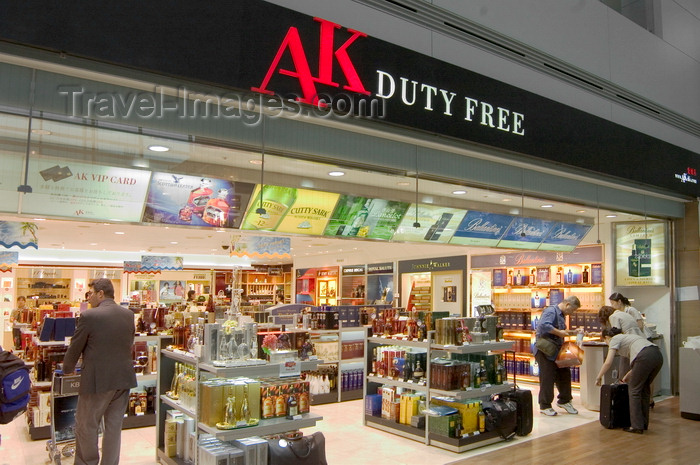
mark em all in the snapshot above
pixel 437 224
pixel 161 262
pixel 82 190
pixel 364 217
pixel 7 259
pixel 20 234
pixel 262 247
pixel 196 201
pixel 135 267
pixel 640 253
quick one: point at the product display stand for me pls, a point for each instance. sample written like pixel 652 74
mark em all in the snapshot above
pixel 166 371
pixel 424 435
pixel 352 334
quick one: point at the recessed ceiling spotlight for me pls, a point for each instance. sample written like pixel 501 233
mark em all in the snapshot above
pixel 39 219
pixel 611 216
pixel 580 211
pixel 403 183
pixel 43 132
pixel 459 192
pixel 546 205
pixel 119 232
pixel 158 148
pixel 93 243
pixel 255 162
pixel 173 242
pixel 336 173
pixel 506 200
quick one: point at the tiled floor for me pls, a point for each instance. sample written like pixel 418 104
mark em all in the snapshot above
pixel 347 440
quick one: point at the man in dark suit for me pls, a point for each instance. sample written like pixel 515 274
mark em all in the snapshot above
pixel 103 336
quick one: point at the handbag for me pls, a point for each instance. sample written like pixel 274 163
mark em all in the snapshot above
pixel 546 346
pixel 570 355
pixel 297 450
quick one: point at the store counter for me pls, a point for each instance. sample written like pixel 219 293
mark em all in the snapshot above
pixel 594 357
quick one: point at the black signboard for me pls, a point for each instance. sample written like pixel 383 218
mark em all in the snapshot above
pixel 271 51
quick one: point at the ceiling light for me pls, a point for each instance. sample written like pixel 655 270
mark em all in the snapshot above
pixel 173 242
pixel 459 192
pixel 336 173
pixel 403 183
pixel 506 200
pixel 93 243
pixel 43 132
pixel 255 162
pixel 119 232
pixel 546 205
pixel 580 211
pixel 611 216
pixel 158 148
pixel 39 219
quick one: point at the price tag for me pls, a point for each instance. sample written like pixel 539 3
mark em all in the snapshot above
pixel 297 417
pixel 289 368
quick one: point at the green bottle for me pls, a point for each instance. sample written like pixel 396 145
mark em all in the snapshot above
pixel 276 201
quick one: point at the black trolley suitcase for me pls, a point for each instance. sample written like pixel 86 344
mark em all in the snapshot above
pixel 523 400
pixel 614 406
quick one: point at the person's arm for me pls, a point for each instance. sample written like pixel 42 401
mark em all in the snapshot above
pixel 77 344
pixel 606 366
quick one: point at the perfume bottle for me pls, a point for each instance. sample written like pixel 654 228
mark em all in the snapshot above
pixel 217 209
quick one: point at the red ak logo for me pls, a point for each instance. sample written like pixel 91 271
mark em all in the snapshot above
pixel 326 53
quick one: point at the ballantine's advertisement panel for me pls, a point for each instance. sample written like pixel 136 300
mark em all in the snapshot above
pixel 363 217
pixel 565 236
pixel 274 52
pixel 196 201
pixel 437 224
pixel 640 253
pixel 480 228
pixel 525 233
pixel 82 190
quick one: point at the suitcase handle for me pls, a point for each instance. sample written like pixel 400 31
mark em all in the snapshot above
pixel 515 383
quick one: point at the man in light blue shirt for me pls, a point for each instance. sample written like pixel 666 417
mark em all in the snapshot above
pixel 552 326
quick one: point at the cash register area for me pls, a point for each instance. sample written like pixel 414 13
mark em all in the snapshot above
pixel 348 441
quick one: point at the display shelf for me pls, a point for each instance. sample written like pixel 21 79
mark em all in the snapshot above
pixel 265 427
pixel 326 398
pixel 267 370
pixel 393 427
pixel 178 406
pixel 474 348
pixel 180 356
pixel 146 378
pixel 139 421
pixel 473 392
pixel 397 383
pixel 465 443
pixel 353 394
pixel 353 360
pixel 397 341
pixel 163 458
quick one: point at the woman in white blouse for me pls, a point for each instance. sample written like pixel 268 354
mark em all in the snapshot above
pixel 622 303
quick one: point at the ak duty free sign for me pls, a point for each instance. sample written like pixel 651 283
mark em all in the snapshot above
pixel 279 54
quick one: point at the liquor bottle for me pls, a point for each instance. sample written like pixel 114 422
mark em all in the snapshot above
pixel 510 277
pixel 481 421
pixel 481 375
pixel 569 277
pixel 245 408
pixel 532 277
pixel 276 200
pixel 501 373
pixel 558 275
pixel 230 413
pixel 536 300
pixel 40 370
pixel 217 209
pixel 418 372
pixel 292 406
pixel 518 279
pixel 200 196
pixel 360 218
pixel 584 275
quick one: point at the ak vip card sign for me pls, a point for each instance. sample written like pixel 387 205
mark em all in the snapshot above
pixel 82 190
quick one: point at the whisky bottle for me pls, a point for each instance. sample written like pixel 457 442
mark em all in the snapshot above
pixel 276 201
pixel 501 373
pixel 360 219
pixel 418 372
pixel 292 406
pixel 558 275
pixel 518 279
pixel 584 275
pixel 532 277
pixel 482 375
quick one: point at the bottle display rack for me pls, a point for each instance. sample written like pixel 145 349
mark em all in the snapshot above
pixel 202 371
pixel 372 381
